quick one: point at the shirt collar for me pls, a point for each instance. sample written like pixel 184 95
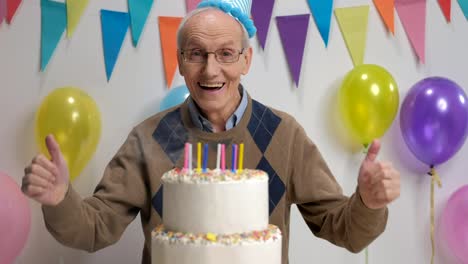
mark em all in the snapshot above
pixel 204 124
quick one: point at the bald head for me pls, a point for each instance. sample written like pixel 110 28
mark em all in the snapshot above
pixel 208 22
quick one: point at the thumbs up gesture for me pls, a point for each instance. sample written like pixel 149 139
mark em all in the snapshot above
pixel 46 181
pixel 378 182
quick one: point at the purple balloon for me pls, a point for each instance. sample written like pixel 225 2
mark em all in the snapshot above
pixel 454 226
pixel 434 119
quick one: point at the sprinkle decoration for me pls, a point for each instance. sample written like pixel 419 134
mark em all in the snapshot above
pixel 272 233
pixel 190 176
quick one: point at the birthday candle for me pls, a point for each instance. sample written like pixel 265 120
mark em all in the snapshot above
pixel 205 157
pixel 199 157
pixel 186 156
pixel 223 157
pixel 218 156
pixel 233 157
pixel 190 158
pixel 241 157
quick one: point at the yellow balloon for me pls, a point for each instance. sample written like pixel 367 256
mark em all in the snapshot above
pixel 73 118
pixel 368 101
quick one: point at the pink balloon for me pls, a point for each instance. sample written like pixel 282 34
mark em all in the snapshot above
pixel 15 219
pixel 455 225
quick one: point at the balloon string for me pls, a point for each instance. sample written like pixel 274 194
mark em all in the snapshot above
pixel 434 179
pixel 367 255
pixel 366 149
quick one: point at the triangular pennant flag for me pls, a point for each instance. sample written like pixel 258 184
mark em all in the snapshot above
pixel 53 23
pixel 413 17
pixel 464 7
pixel 322 11
pixel 114 28
pixel 386 11
pixel 191 4
pixel 12 6
pixel 139 11
pixel 293 33
pixel 446 6
pixel 168 33
pixel 3 10
pixel 261 14
pixel 353 25
pixel 75 9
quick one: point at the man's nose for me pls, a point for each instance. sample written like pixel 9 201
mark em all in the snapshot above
pixel 212 66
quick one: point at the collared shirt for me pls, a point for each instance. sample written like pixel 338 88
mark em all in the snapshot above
pixel 204 124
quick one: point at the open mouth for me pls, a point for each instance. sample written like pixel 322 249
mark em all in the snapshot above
pixel 211 86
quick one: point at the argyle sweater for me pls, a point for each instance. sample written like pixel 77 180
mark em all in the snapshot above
pixel 274 142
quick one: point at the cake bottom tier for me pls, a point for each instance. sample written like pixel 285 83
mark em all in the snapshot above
pixel 257 247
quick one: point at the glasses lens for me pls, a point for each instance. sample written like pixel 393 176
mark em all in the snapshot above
pixel 227 55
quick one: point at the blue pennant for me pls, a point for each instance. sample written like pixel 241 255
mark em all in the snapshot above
pixel 139 11
pixel 322 11
pixel 114 28
pixel 53 23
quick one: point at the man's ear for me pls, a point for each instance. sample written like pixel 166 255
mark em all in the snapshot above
pixel 248 60
pixel 180 61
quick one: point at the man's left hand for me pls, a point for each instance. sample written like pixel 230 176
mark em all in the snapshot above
pixel 378 181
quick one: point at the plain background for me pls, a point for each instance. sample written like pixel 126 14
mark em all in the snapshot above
pixel 138 86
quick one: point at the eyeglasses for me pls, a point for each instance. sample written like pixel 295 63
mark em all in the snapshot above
pixel 224 55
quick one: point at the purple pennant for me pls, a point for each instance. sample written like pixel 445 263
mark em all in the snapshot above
pixel 293 33
pixel 261 14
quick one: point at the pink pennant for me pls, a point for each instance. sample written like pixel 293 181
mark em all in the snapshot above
pixel 191 4
pixel 413 17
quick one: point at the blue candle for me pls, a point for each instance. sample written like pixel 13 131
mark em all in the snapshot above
pixel 233 158
pixel 205 157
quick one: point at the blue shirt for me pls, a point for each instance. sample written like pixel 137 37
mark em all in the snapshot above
pixel 204 124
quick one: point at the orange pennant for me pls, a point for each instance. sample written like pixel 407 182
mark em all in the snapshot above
pixel 168 33
pixel 386 11
pixel 446 6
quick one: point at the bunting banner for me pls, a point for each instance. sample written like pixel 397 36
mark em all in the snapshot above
pixel 293 33
pixel 53 23
pixel 413 17
pixel 168 33
pixel 353 25
pixel 12 6
pixel 464 7
pixel 191 4
pixel 446 6
pixel 386 11
pixel 114 27
pixel 322 11
pixel 75 9
pixel 139 11
pixel 3 10
pixel 261 14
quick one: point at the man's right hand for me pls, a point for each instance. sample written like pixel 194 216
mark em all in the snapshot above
pixel 46 181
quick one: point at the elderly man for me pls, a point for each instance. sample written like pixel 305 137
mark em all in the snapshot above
pixel 214 53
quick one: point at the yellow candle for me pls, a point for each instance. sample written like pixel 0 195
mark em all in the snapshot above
pixel 241 157
pixel 199 157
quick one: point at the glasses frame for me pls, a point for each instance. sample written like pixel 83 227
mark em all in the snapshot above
pixel 240 52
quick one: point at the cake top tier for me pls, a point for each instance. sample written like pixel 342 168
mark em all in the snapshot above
pixel 212 175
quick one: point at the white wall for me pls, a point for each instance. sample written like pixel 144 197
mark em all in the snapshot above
pixel 137 86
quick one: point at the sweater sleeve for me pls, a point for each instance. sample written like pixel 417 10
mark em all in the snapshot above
pixel 345 222
pixel 98 221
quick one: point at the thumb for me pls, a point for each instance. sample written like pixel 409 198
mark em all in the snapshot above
pixel 53 148
pixel 373 150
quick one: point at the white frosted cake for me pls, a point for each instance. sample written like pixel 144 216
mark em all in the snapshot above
pixel 215 217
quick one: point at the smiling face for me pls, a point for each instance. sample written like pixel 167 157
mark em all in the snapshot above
pixel 213 85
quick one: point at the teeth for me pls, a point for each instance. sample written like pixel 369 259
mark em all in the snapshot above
pixel 211 85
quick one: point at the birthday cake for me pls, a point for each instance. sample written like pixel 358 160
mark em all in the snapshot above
pixel 215 216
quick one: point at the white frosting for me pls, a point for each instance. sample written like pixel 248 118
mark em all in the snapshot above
pixel 224 207
pixel 216 175
pixel 261 252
